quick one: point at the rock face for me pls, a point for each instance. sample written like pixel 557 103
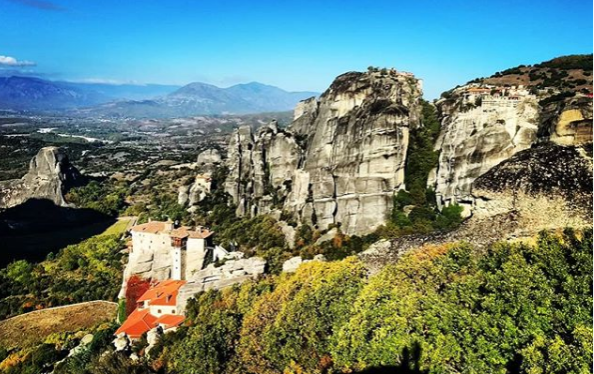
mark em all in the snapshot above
pixel 339 162
pixel 568 122
pixel 480 130
pixel 541 188
pixel 292 264
pixel 209 156
pixel 211 277
pixel 474 140
pixel 548 185
pixel 50 175
pixel 261 168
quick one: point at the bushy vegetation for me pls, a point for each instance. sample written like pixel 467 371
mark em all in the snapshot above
pixel 515 307
pixel 583 62
pixel 521 307
pixel 554 98
pixel 90 270
pixel 414 209
pixel 96 357
pixel 107 197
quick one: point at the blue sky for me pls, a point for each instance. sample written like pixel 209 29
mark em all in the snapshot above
pixel 296 45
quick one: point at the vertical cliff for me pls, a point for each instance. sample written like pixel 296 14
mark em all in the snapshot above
pixel 477 133
pixel 483 124
pixel 341 159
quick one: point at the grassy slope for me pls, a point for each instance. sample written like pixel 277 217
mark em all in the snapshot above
pixel 32 328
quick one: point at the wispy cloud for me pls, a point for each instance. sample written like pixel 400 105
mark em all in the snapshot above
pixel 7 61
pixel 113 82
pixel 40 4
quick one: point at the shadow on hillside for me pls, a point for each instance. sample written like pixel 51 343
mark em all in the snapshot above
pixel 410 364
pixel 37 227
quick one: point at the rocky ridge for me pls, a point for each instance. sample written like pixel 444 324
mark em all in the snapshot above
pixel 339 162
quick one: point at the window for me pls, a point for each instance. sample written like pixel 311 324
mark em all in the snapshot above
pixel 159 311
pixel 172 311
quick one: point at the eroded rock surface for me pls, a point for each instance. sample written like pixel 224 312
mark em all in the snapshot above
pixel 548 185
pixel 339 162
pixel 209 156
pixel 49 177
pixel 480 130
pixel 473 140
pixel 212 277
pixel 544 187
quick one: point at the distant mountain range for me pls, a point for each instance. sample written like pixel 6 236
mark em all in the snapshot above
pixel 108 100
pixel 26 93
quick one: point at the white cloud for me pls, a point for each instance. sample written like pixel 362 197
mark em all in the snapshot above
pixel 113 82
pixel 13 62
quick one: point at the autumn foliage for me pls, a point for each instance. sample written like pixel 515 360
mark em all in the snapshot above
pixel 523 307
pixel 135 287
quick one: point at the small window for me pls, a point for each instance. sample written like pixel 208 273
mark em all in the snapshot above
pixel 159 311
pixel 172 311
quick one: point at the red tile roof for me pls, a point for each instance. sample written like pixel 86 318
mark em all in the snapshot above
pixel 181 232
pixel 137 323
pixel 170 320
pixel 141 320
pixel 200 233
pixel 478 90
pixel 153 227
pixel 164 293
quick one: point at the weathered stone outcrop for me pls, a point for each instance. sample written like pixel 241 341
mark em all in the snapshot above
pixel 49 177
pixel 548 185
pixel 212 277
pixel 209 156
pixel 545 187
pixel 475 139
pixel 478 133
pixel 292 264
pixel 339 162
pixel 567 122
pixel 261 167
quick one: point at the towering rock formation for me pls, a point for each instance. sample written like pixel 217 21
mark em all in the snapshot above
pixel 482 129
pixel 474 138
pixel 341 159
pixel 343 156
pixel 50 175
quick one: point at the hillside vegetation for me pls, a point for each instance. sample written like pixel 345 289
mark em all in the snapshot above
pixel 521 307
pixel 517 308
pixel 568 73
pixel 90 270
pixel 34 327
